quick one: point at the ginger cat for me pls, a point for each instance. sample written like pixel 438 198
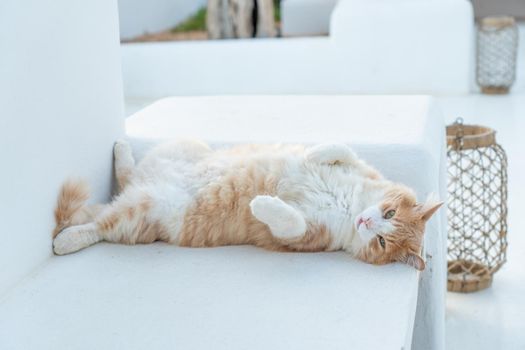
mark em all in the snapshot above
pixel 285 198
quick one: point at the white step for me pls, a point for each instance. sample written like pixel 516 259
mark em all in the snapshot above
pixel 403 136
pixel 159 296
pixel 163 297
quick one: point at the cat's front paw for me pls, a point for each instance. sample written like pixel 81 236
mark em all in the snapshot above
pixel 73 239
pixel 284 221
pixel 265 207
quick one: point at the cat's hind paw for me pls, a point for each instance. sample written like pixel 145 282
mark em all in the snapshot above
pixel 75 238
pixel 331 154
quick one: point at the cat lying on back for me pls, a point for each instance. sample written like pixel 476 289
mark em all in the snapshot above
pixel 284 198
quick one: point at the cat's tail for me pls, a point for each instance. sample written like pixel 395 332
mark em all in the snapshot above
pixel 71 206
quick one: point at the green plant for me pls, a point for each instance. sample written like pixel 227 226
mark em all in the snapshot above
pixel 277 10
pixel 197 22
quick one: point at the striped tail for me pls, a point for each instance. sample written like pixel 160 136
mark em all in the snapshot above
pixel 71 206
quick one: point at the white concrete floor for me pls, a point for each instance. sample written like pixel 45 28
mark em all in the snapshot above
pixel 493 318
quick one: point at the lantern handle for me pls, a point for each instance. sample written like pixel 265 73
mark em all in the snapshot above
pixel 459 133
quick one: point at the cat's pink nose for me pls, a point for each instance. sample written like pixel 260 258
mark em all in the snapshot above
pixel 367 222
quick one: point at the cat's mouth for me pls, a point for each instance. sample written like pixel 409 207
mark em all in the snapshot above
pixel 365 233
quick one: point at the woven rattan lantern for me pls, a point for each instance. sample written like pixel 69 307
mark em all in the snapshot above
pixel 477 206
pixel 497 47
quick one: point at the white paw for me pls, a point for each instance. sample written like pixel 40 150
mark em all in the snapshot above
pixel 265 207
pixel 284 221
pixel 331 154
pixel 74 238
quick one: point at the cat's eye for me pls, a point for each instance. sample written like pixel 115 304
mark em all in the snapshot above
pixel 382 241
pixel 390 214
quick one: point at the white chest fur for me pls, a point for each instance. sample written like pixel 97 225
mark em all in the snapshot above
pixel 333 196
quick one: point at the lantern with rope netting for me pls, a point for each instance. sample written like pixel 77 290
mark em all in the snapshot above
pixel 477 206
pixel 497 48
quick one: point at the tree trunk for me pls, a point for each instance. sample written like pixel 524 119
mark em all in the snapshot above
pixel 228 19
pixel 265 19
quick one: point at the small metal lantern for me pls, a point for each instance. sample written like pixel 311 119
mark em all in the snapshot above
pixel 477 206
pixel 497 46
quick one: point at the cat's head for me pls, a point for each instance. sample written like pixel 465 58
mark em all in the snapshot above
pixel 393 229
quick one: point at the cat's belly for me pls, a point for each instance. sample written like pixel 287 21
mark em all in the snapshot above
pixel 207 203
pixel 219 213
pixel 170 201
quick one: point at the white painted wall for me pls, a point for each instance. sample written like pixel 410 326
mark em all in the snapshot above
pixel 60 111
pixel 306 17
pixel 405 50
pixel 218 67
pixel 145 16
pixel 391 44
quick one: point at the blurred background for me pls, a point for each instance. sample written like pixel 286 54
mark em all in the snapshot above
pixel 166 20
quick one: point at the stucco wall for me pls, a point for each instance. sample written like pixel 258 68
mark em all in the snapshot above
pixel 387 56
pixel 60 111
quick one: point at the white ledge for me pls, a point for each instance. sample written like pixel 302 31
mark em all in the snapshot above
pixel 162 297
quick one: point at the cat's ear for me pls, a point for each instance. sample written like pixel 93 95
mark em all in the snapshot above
pixel 432 204
pixel 415 261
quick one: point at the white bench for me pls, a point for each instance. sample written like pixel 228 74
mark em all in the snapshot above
pixel 159 296
pixel 402 136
